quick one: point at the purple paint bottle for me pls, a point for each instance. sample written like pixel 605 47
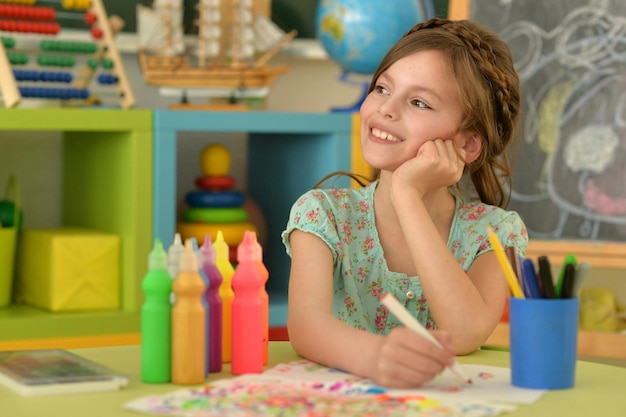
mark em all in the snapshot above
pixel 214 304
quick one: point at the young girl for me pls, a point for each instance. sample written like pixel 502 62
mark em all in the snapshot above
pixel 444 101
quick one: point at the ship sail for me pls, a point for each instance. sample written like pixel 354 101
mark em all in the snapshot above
pixel 235 40
pixel 159 28
pixel 209 30
pixel 267 34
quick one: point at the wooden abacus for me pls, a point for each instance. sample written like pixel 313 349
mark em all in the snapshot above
pixel 22 77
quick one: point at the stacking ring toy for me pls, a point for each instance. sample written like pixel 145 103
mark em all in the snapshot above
pixel 215 215
pixel 221 182
pixel 233 233
pixel 215 199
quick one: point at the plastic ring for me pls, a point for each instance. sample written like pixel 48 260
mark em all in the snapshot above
pixel 221 182
pixel 233 233
pixel 215 215
pixel 215 199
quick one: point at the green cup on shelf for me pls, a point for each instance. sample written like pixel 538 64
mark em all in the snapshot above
pixel 11 220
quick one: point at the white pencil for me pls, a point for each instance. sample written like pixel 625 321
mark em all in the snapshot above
pixel 411 322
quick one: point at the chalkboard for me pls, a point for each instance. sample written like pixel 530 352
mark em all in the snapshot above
pixel 570 166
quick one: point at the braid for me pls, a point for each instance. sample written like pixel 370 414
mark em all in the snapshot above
pixel 480 45
pixel 506 98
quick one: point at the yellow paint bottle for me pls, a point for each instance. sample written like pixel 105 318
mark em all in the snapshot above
pixel 226 293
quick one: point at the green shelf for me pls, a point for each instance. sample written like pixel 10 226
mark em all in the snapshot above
pixel 107 186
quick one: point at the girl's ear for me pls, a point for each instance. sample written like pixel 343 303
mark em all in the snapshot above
pixel 473 146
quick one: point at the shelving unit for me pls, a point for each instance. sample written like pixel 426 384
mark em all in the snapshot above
pixel 287 154
pixel 107 186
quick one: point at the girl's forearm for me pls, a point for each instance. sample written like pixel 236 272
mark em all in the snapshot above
pixel 322 338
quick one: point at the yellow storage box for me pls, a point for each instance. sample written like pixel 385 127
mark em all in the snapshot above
pixel 68 269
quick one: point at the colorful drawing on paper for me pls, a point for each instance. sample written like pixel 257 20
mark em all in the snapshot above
pixel 302 388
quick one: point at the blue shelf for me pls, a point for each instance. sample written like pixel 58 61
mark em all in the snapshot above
pixel 287 154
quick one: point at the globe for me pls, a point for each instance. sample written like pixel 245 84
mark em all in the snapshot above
pixel 357 34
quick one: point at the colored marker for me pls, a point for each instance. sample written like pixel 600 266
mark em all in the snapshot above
pixel 530 281
pixel 511 255
pixel 516 289
pixel 411 322
pixel 568 281
pixel 545 274
pixel 569 259
pixel 579 278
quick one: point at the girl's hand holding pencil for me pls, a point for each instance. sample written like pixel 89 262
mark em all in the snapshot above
pixel 398 310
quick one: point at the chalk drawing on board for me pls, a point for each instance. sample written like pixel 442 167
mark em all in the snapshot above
pixel 570 168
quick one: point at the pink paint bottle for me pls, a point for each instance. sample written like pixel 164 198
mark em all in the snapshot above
pixel 247 314
pixel 265 299
pixel 214 304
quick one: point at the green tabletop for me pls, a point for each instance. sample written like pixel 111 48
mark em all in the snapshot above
pixel 600 389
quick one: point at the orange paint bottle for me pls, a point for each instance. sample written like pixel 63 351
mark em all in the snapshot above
pixel 188 322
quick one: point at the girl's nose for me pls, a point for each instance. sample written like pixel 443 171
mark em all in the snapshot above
pixel 388 109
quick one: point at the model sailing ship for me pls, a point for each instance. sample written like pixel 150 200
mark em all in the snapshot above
pixel 235 40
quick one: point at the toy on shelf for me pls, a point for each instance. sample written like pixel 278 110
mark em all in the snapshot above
pixel 236 39
pixel 37 60
pixel 215 206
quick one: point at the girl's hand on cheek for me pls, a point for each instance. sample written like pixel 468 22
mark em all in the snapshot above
pixel 438 163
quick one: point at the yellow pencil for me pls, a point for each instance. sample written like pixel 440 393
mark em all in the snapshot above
pixel 516 289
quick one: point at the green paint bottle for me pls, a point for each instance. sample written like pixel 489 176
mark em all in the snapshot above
pixel 156 319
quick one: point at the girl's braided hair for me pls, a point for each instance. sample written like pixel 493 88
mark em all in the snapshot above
pixel 489 92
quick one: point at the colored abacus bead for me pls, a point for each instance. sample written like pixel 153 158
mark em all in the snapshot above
pixel 16 58
pixel 76 4
pixel 107 64
pixel 107 79
pixel 90 18
pixel 56 61
pixel 8 42
pixel 96 32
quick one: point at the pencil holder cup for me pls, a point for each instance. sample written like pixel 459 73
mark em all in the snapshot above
pixel 10 207
pixel 543 335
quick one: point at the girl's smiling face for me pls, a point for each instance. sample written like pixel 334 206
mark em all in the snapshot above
pixel 415 100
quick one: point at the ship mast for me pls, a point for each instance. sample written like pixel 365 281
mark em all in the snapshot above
pixel 236 33
pixel 202 32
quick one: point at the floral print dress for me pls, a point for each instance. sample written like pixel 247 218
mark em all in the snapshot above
pixel 344 219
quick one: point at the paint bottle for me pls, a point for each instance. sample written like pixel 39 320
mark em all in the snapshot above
pixel 205 305
pixel 173 259
pixel 247 342
pixel 156 318
pixel 188 322
pixel 214 304
pixel 226 293
pixel 265 299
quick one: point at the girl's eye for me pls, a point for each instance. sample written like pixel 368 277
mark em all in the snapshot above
pixel 381 90
pixel 420 104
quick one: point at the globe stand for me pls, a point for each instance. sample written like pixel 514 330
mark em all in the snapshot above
pixel 364 92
